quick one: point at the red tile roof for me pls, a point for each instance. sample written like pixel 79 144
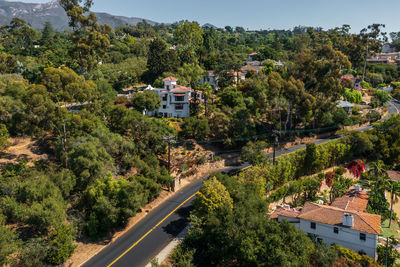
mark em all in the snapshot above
pixel 354 203
pixel 170 79
pixel 179 89
pixel 348 76
pixel 291 213
pixel 394 175
pixel 353 200
pixel 363 222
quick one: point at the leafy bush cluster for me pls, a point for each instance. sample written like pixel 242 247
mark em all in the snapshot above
pixel 353 96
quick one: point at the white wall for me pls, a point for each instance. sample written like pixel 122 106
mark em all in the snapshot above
pixel 169 104
pixel 209 79
pixel 346 237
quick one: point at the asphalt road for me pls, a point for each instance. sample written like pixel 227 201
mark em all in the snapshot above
pixel 148 237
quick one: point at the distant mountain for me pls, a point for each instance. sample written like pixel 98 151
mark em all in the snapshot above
pixel 38 14
pixel 208 26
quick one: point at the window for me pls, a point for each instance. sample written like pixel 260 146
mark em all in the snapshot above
pixel 164 106
pixel 335 230
pixel 179 98
pixel 178 107
pixel 168 87
pixel 312 225
pixel 363 237
pixel 164 97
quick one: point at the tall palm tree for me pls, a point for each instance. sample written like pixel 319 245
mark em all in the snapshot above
pixel 394 196
pixel 378 169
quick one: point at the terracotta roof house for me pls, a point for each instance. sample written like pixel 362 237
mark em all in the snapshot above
pixel 353 200
pixel 175 99
pixel 170 79
pixel 344 222
pixel 394 175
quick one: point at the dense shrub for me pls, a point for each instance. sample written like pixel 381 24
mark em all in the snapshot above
pixel 61 244
pixel 353 96
pixel 196 128
pixel 373 116
pixel 380 98
pixel 109 203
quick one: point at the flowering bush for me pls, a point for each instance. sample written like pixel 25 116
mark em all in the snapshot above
pixel 329 178
pixel 356 168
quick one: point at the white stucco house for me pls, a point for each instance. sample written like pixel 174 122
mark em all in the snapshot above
pixel 211 78
pixel 175 99
pixel 344 222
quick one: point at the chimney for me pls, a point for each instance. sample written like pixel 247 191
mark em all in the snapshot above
pixel 348 220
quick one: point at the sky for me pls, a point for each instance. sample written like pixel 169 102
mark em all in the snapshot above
pixel 259 14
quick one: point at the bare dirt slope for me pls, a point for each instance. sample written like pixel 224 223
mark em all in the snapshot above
pixel 22 148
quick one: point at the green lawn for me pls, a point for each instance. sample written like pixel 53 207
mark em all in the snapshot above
pixel 393 231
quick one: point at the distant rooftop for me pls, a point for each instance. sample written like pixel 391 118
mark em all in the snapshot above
pixel 345 104
pixel 170 78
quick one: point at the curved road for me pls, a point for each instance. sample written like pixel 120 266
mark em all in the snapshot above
pixel 149 236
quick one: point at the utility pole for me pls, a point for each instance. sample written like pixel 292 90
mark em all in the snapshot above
pixel 365 63
pixel 275 134
pixel 169 140
pixel 64 143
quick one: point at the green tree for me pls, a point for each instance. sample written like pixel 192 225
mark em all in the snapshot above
pixel 380 98
pixel 90 39
pixel 3 136
pixel 9 244
pixel 109 203
pixel 311 160
pixel 352 96
pixel 212 197
pixel 8 63
pixel 89 160
pixel 47 34
pixel 61 244
pixel 388 254
pixel 66 85
pixel 231 97
pixel 189 34
pixel 254 152
pixel 160 59
pixel 190 74
pixel 148 100
pixel 196 128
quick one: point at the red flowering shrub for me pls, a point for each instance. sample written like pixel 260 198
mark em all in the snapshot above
pixel 356 168
pixel 329 178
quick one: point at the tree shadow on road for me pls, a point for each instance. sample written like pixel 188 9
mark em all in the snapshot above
pixel 177 226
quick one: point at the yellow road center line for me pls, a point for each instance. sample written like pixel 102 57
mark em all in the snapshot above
pixel 151 230
pixel 398 111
